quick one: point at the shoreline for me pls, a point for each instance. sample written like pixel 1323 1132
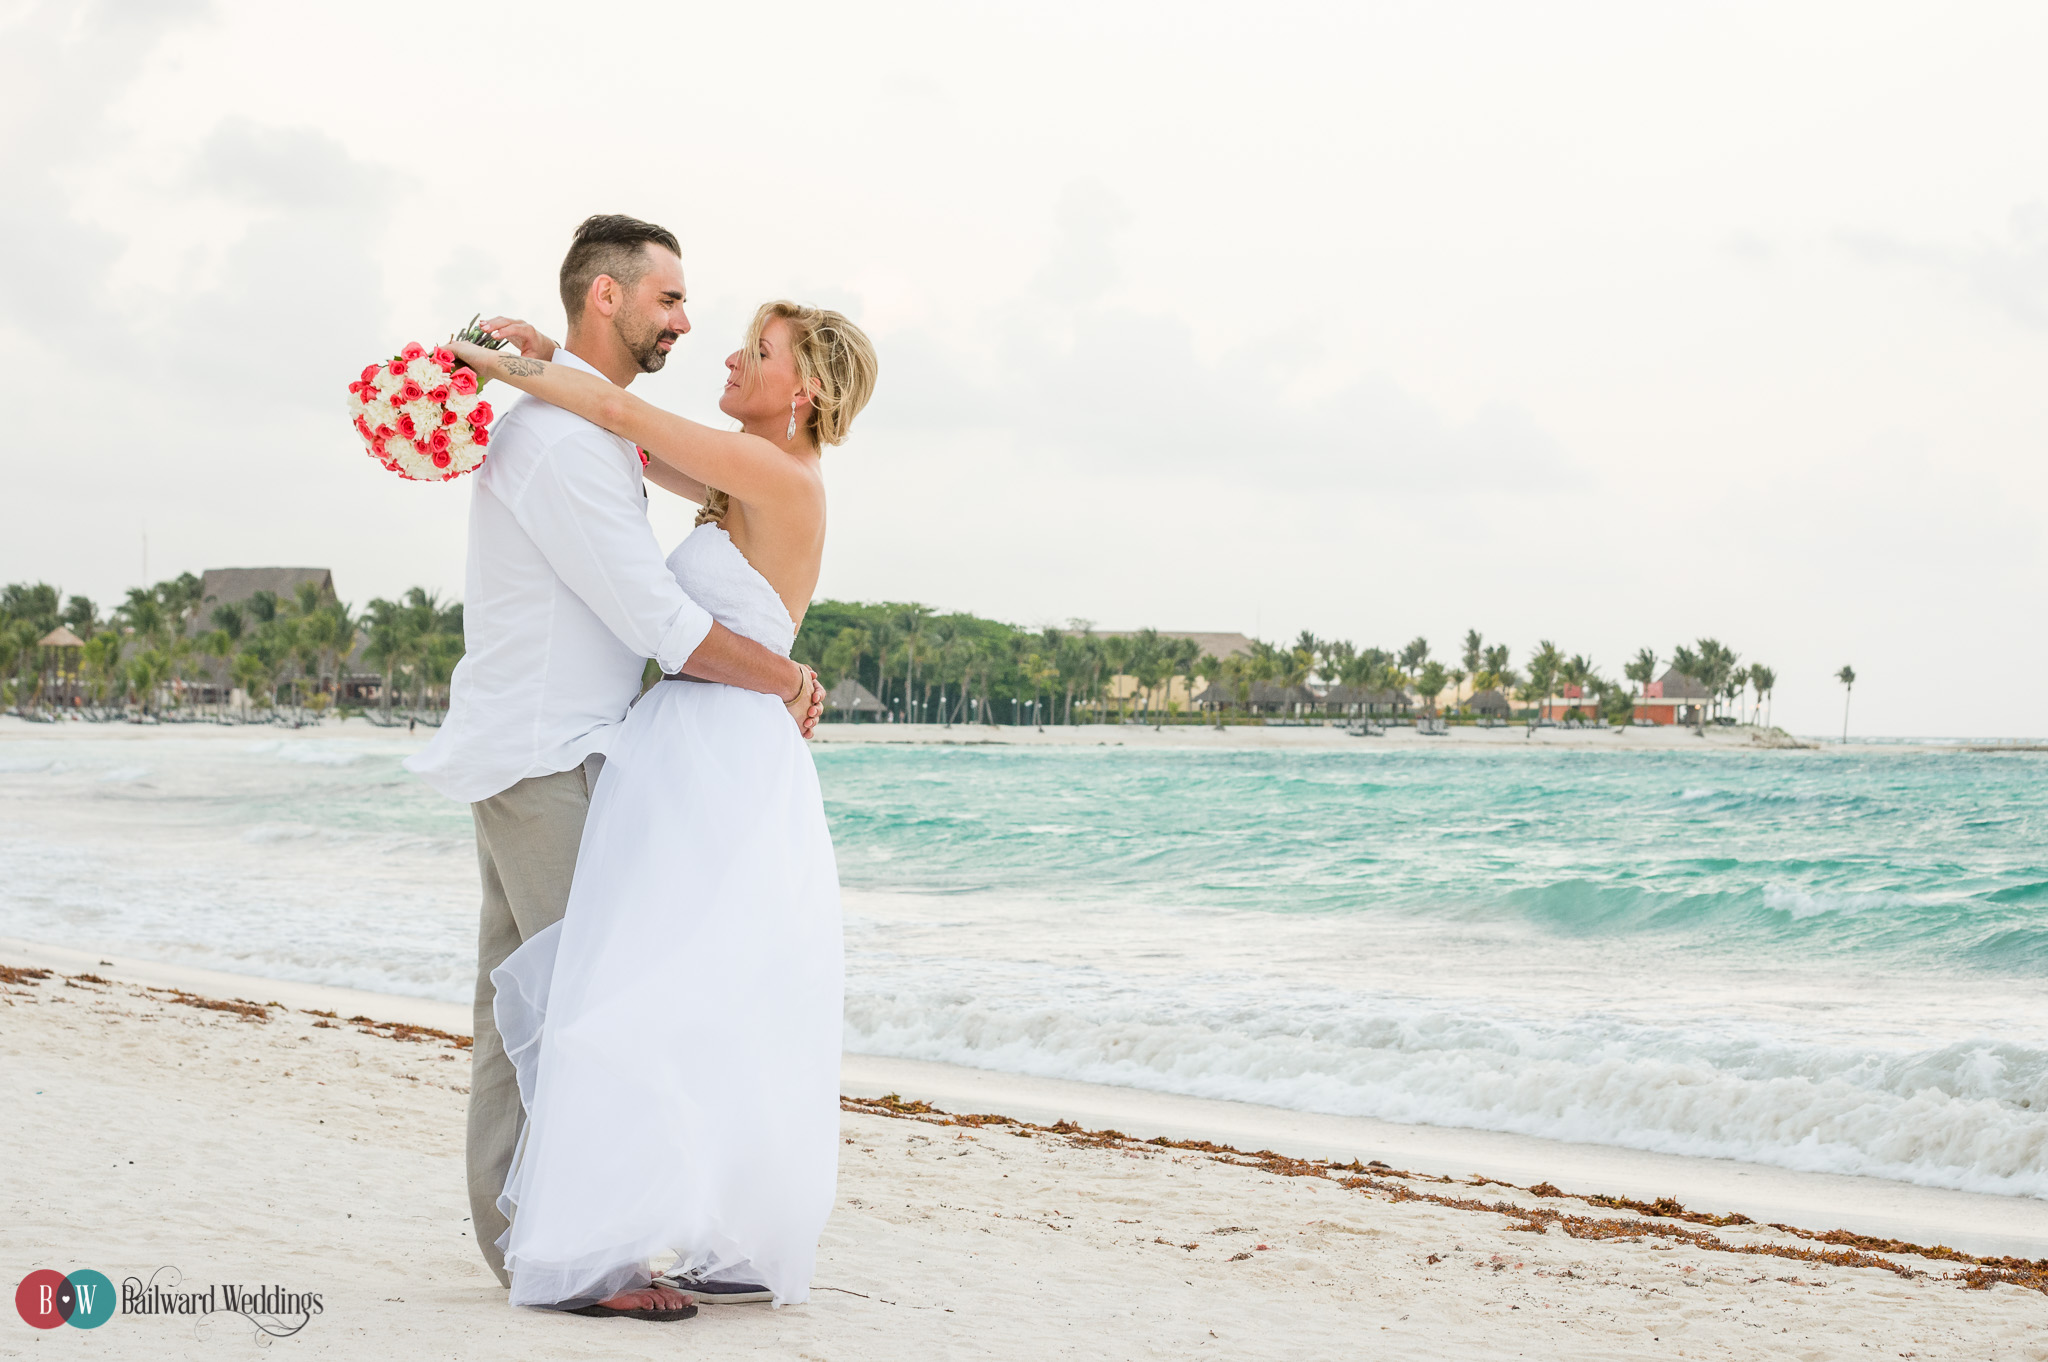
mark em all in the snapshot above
pixel 174 1136
pixel 1972 1222
pixel 1179 737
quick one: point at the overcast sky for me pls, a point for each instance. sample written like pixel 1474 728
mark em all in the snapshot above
pixel 1616 325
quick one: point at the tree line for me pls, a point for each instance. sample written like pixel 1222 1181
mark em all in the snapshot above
pixel 954 668
pixel 168 650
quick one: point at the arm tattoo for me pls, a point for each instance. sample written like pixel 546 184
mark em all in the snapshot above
pixel 523 368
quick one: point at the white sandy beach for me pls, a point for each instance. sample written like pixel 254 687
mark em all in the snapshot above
pixel 144 1131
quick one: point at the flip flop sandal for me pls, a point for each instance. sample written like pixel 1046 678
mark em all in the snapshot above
pixel 656 1316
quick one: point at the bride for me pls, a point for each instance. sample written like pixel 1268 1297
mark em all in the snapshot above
pixel 677 1034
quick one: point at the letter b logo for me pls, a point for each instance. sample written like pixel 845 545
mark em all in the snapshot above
pixel 47 1299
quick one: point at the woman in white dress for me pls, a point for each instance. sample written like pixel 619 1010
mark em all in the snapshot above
pixel 677 1034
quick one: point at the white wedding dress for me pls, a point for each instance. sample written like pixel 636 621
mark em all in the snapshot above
pixel 677 1034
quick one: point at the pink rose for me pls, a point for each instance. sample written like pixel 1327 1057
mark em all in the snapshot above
pixel 412 350
pixel 481 414
pixel 406 427
pixel 363 428
pixel 479 435
pixel 463 381
pixel 396 368
pixel 370 372
pixel 439 394
pixel 411 392
pixel 439 442
pixel 384 432
pixel 447 417
pixel 442 458
pixel 444 357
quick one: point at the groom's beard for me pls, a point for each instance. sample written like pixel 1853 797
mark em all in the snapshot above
pixel 645 348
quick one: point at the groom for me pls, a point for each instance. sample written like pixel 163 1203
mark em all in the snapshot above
pixel 566 597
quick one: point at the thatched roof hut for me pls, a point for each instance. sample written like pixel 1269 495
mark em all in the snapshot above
pixel 60 637
pixel 1490 702
pixel 1676 685
pixel 851 698
pixel 231 586
pixel 1264 696
pixel 1347 699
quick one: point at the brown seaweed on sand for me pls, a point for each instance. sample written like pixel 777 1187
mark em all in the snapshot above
pixel 1846 1250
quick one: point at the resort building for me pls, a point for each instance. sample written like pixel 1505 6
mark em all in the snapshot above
pixel 1178 691
pixel 1673 698
pixel 1358 702
pixel 1571 702
pixel 1490 704
pixel 850 700
pixel 237 586
pixel 1260 697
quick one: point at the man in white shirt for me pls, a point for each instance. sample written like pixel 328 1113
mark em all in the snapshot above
pixel 567 595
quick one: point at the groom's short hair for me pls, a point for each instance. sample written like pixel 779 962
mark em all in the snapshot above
pixel 609 243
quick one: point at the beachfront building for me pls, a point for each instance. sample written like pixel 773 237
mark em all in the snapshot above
pixel 850 701
pixel 1356 702
pixel 61 654
pixel 1260 697
pixel 239 587
pixel 1673 698
pixel 1570 702
pixel 1490 704
pixel 1178 691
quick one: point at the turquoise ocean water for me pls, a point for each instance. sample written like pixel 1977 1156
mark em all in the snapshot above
pixel 1818 960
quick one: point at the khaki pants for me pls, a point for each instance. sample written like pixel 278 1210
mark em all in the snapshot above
pixel 526 842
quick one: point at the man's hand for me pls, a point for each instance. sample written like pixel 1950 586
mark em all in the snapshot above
pixel 524 337
pixel 807 704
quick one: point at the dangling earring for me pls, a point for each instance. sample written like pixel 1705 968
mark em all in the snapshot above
pixel 790 434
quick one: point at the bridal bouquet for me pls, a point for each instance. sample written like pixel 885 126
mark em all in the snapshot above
pixel 419 412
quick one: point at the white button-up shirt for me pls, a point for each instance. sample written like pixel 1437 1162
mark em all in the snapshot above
pixel 567 595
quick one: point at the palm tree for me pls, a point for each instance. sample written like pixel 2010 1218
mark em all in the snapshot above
pixel 101 662
pixel 1642 669
pixel 1763 681
pixel 1847 676
pixel 1149 664
pixel 1493 671
pixel 252 674
pixel 1716 662
pixel 1337 658
pixel 389 627
pixel 1544 665
pixel 148 670
pixel 1429 685
pixel 1414 655
pixel 1577 673
pixel 1474 656
pixel 1186 662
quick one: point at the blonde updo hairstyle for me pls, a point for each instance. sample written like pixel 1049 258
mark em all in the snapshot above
pixel 834 358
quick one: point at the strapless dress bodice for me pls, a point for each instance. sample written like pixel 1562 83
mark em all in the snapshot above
pixel 714 573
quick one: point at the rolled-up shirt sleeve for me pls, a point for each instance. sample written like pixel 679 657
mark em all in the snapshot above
pixel 590 523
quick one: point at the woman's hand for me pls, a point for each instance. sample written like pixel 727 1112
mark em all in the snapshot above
pixel 808 704
pixel 524 337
